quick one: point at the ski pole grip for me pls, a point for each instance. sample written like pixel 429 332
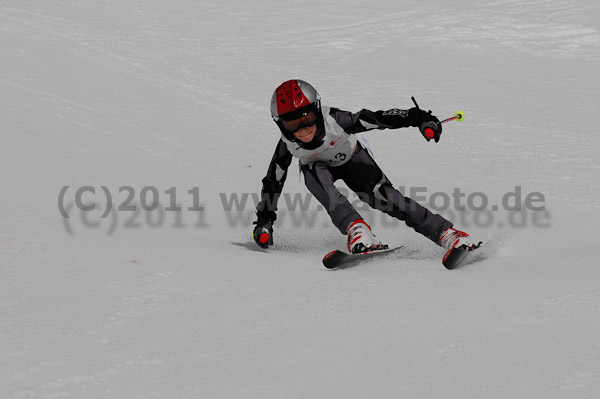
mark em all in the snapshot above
pixel 264 238
pixel 429 133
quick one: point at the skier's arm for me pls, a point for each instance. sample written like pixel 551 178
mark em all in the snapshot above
pixel 394 118
pixel 272 185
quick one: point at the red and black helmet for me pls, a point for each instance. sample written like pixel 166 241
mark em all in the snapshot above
pixel 294 98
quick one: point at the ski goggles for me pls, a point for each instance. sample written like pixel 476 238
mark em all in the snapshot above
pixel 304 117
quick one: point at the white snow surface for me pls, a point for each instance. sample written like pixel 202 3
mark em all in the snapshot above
pixel 176 94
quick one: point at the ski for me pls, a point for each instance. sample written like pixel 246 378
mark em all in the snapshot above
pixel 452 259
pixel 341 260
pixel 457 256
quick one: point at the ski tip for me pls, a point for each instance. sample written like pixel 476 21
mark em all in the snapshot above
pixel 330 254
pixel 456 256
pixel 333 259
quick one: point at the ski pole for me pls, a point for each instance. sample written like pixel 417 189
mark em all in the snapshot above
pixel 459 116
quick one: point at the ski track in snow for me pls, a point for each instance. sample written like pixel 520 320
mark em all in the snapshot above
pixel 128 93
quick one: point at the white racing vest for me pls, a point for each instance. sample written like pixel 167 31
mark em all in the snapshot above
pixel 337 148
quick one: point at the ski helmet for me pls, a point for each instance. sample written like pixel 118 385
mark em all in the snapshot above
pixel 291 100
pixel 292 96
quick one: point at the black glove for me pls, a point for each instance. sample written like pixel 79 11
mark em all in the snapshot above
pixel 263 232
pixel 428 124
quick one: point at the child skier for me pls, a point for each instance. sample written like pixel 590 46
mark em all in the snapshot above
pixel 325 141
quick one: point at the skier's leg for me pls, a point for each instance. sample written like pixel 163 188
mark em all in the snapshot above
pixel 431 225
pixel 319 181
pixel 363 176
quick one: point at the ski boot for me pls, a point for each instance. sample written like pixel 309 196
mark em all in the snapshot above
pixel 453 238
pixel 458 245
pixel 361 238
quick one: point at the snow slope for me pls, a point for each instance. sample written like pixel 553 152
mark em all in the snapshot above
pixel 184 305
